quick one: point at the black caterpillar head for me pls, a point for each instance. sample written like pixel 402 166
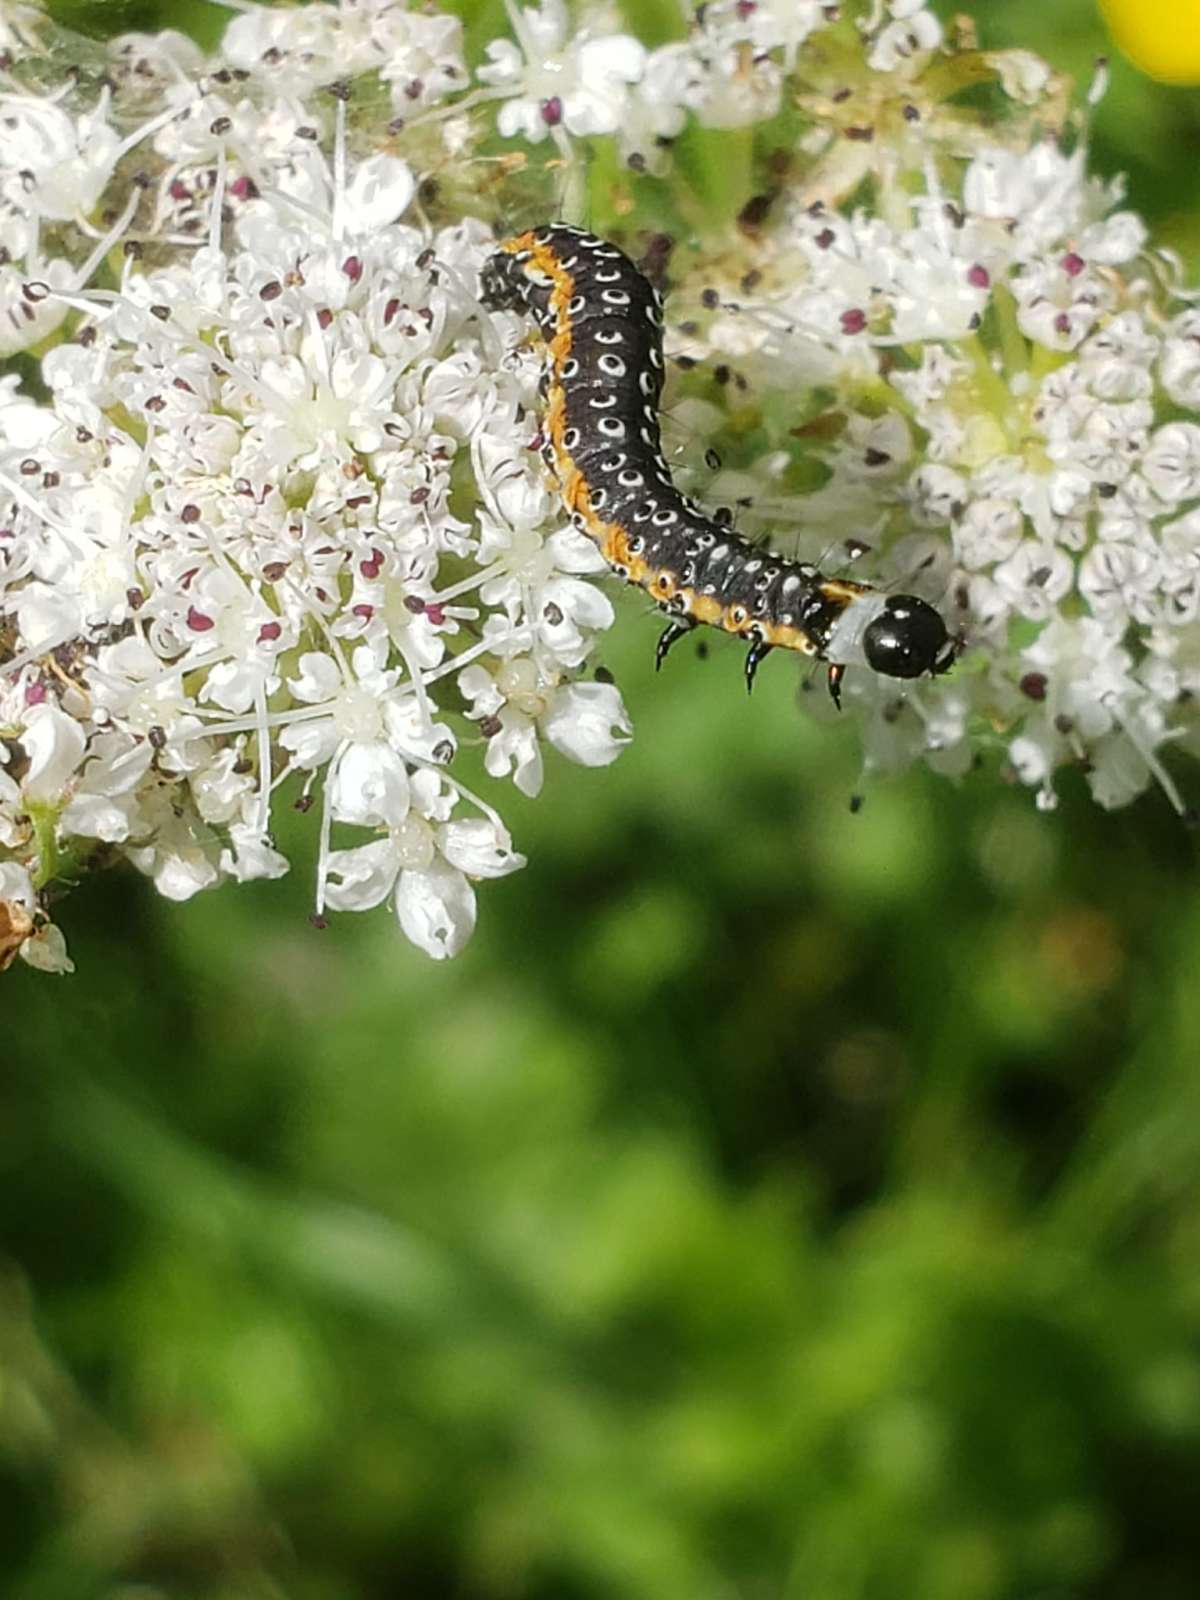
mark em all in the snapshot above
pixel 907 638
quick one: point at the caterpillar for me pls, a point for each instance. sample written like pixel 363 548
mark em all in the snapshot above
pixel 601 321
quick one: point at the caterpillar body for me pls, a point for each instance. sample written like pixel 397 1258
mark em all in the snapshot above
pixel 602 325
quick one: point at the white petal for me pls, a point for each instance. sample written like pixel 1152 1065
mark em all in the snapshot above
pixel 365 876
pixel 119 765
pixel 515 749
pixel 319 677
pixel 431 797
pixel 46 616
pixel 478 687
pixel 93 816
pixel 588 723
pixel 16 884
pixel 476 846
pixel 179 877
pixel 436 909
pixel 47 951
pixel 310 743
pixel 371 785
pixel 253 855
pixel 575 552
pixel 54 744
pixel 1118 772
pixel 1032 759
pixel 379 192
pixel 218 788
pixel 524 117
pixel 505 63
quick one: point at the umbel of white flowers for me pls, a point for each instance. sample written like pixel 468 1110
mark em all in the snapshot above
pixel 231 576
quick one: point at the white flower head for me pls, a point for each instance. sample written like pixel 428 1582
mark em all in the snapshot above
pixel 515 708
pixel 552 78
pixel 258 589
pixel 426 864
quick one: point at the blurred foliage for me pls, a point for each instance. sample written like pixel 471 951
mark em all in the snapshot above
pixel 777 1201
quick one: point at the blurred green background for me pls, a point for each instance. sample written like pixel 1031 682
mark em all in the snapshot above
pixel 774 1202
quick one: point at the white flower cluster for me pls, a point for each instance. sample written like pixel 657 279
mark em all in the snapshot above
pixel 272 525
pixel 556 79
pixel 230 563
pixel 1008 405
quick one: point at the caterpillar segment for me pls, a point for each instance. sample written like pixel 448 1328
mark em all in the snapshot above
pixel 601 321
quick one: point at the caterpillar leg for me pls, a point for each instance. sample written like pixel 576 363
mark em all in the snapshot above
pixel 755 654
pixel 673 632
pixel 836 673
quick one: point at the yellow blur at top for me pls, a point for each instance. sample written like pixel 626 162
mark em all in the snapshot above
pixel 1160 36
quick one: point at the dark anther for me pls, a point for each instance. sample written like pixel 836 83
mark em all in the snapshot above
pixel 754 213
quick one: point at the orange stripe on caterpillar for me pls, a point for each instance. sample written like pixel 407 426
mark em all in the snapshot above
pixel 601 321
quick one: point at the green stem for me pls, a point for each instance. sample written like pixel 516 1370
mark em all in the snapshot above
pixel 45 833
pixel 1014 347
pixel 993 389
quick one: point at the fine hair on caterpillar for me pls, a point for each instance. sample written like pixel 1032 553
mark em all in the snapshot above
pixel 601 321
